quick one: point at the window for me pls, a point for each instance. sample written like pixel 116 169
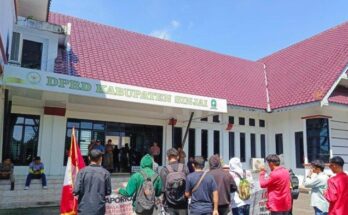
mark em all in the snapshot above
pixel 279 144
pixel 204 136
pixel 241 120
pixel 263 145
pixel 191 142
pixel 231 144
pixel 24 131
pixel 262 123
pixel 318 143
pixel 231 119
pixel 15 46
pixel 216 118
pixel 216 142
pixel 251 122
pixel 299 149
pixel 177 137
pixel 31 54
pixel 205 119
pixel 242 147
pixel 253 145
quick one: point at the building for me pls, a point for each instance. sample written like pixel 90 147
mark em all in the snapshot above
pixel 60 72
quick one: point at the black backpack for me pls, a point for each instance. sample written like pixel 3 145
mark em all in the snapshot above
pixel 175 185
pixel 145 198
pixel 295 190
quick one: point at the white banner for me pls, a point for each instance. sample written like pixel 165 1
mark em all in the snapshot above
pixel 118 205
pixel 258 204
pixel 48 81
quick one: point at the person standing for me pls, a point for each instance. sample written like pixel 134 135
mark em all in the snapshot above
pixel 241 202
pixel 138 181
pixel 6 171
pixel 182 155
pixel 116 154
pixel 278 186
pixel 317 181
pixel 202 189
pixel 92 184
pixel 174 177
pixel 225 184
pixel 337 191
pixel 36 171
pixel 155 151
pixel 109 157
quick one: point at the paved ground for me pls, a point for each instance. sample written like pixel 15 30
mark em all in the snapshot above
pixel 301 207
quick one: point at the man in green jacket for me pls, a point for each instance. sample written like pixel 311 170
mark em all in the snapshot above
pixel 137 180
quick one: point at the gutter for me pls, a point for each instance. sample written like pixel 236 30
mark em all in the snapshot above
pixel 267 91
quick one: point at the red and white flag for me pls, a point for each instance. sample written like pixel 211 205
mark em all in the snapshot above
pixel 68 203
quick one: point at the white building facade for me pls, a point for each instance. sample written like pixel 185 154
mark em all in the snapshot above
pixel 39 107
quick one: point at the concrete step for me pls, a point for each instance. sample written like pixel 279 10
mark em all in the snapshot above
pixel 38 197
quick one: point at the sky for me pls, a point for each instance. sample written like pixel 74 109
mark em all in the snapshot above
pixel 249 29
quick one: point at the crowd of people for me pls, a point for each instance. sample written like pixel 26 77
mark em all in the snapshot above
pixel 115 159
pixel 213 190
pixel 195 188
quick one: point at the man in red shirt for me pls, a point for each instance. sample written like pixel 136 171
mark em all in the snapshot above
pixel 277 185
pixel 337 191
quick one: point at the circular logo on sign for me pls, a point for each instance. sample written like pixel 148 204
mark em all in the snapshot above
pixel 34 77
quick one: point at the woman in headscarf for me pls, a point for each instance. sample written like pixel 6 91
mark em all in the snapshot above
pixel 240 204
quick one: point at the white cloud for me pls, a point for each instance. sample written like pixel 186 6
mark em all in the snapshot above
pixel 166 32
pixel 161 34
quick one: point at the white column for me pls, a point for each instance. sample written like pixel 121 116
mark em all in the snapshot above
pixel 58 145
pixel 258 145
pixel 52 144
pixel 237 144
pixel 305 141
pixel 210 143
pixel 224 146
pixel 168 142
pixel 45 144
pixel 247 149
pixel 198 142
pixel 1 121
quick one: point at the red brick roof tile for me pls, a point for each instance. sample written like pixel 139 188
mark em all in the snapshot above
pixel 304 72
pixel 111 54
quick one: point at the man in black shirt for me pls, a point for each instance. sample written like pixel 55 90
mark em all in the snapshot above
pixel 92 184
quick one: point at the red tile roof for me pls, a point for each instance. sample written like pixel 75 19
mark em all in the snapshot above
pixel 339 96
pixel 301 73
pixel 304 72
pixel 111 54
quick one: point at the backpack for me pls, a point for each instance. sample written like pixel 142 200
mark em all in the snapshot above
pixel 145 198
pixel 295 191
pixel 244 187
pixel 175 185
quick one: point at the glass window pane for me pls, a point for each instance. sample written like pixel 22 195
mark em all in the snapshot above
pixel 242 147
pixel 231 144
pixel 29 134
pixel 19 120
pixel 253 145
pixel 263 146
pixel 73 124
pixel 99 126
pixel 29 121
pixel 17 133
pixel 85 140
pixel 216 142
pixel 86 125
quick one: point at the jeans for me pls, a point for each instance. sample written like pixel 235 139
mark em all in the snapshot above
pixel 243 210
pixel 31 176
pixel 319 212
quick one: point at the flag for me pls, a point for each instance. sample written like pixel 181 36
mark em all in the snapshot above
pixel 68 203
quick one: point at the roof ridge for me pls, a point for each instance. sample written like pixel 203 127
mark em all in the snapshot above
pixel 155 38
pixel 302 41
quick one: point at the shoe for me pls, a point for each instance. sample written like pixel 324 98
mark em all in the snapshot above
pixel 44 187
pixel 26 188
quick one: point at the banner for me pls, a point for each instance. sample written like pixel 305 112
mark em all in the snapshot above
pixel 118 205
pixel 258 204
pixel 54 82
